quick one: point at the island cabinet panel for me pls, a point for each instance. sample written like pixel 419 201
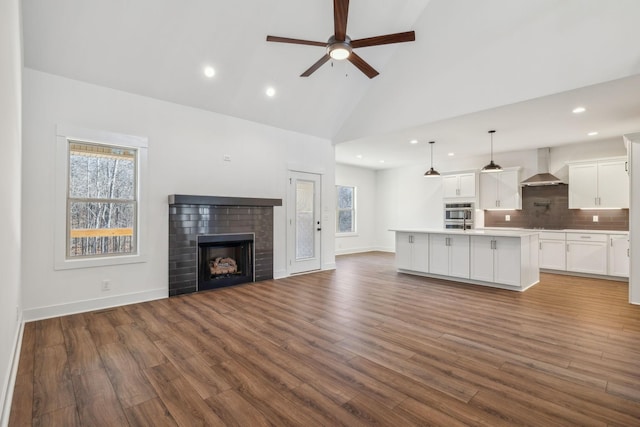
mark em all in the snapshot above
pixel 449 255
pixel 412 252
pixel 496 259
pixel 482 258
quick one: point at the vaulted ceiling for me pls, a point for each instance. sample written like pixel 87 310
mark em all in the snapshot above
pixel 516 65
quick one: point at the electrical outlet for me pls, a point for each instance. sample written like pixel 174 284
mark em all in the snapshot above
pixel 106 285
pixel 595 218
pixel 507 217
pixel 227 157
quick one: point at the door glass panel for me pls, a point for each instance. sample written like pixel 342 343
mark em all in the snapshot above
pixel 305 235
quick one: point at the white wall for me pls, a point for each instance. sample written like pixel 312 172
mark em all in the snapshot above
pixel 185 156
pixel 365 182
pixel 634 220
pixel 412 201
pixel 10 165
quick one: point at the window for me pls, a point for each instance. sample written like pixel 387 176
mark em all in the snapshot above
pixel 101 200
pixel 346 209
pixel 99 209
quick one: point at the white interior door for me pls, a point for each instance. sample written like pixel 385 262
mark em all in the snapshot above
pixel 303 221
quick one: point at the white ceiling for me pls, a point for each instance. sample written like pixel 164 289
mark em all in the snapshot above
pixel 518 66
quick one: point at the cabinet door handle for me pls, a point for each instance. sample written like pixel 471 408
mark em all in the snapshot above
pixel 611 240
pixel 540 245
pixel 567 247
pixel 626 166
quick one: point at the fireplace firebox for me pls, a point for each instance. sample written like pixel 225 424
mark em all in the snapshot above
pixel 225 260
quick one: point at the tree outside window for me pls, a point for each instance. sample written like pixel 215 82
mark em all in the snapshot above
pixel 346 209
pixel 102 200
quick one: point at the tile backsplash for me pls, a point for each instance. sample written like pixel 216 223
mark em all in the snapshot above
pixel 548 207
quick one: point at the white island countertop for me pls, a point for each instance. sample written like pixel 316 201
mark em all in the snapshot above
pixel 472 232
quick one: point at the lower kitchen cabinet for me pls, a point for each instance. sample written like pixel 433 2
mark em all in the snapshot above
pixel 412 251
pixel 553 252
pixel 587 253
pixel 449 255
pixel 496 259
pixel 619 255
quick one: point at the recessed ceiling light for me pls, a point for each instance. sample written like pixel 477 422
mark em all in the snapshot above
pixel 270 92
pixel 413 141
pixel 594 133
pixel 209 71
pixel 578 110
pixel 359 156
pixel 381 161
pixel 451 154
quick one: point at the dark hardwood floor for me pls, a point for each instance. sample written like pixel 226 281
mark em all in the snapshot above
pixel 362 345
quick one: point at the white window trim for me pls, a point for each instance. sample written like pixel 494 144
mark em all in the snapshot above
pixel 64 133
pixel 354 209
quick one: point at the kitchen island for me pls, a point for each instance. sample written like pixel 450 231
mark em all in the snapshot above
pixel 503 259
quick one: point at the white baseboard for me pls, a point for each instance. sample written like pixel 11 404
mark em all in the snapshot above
pixel 8 388
pixel 93 304
pixel 329 266
pixel 280 274
pixel 385 249
pixel 353 251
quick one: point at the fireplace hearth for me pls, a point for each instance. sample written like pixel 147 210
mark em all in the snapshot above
pixel 204 230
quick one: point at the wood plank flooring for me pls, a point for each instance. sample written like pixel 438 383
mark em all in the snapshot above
pixel 361 345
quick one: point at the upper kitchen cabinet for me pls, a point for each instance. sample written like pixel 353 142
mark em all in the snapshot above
pixel 599 184
pixel 500 190
pixel 459 186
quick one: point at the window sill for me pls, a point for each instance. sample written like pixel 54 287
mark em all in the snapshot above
pixel 69 264
pixel 354 234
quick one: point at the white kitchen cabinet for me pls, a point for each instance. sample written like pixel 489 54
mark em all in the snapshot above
pixel 412 251
pixel 459 186
pixel 587 253
pixel 618 255
pixel 496 259
pixel 599 184
pixel 553 253
pixel 500 190
pixel 449 255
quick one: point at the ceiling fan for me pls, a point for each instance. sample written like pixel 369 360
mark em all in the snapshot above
pixel 340 46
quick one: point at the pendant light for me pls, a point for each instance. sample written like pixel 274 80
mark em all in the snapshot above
pixel 432 171
pixel 492 167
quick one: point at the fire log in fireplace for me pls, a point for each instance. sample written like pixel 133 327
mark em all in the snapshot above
pixel 225 259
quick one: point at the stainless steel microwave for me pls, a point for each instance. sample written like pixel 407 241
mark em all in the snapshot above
pixel 458 216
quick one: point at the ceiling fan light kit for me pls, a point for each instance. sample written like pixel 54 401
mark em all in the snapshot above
pixel 431 172
pixel 492 167
pixel 339 50
pixel 340 46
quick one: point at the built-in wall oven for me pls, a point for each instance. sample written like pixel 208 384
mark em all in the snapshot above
pixel 458 216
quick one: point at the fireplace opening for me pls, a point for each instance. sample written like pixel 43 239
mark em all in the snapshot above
pixel 225 260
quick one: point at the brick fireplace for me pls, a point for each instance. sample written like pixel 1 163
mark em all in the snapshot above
pixel 204 230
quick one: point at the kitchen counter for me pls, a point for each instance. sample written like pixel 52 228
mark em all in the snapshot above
pixel 506 259
pixel 513 232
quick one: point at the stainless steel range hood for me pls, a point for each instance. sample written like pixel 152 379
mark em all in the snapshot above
pixel 543 177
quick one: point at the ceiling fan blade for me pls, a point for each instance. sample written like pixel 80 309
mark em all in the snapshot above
pixel 340 13
pixel 295 41
pixel 315 66
pixel 362 65
pixel 408 36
